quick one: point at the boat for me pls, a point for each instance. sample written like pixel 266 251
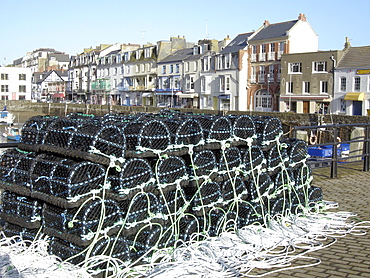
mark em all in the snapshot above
pixel 6 117
pixel 12 133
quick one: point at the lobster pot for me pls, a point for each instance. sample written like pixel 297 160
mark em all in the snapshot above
pixel 243 126
pixel 118 119
pixel 188 132
pixel 15 169
pixel 302 176
pixel 261 188
pixel 204 164
pixel 280 206
pixel 276 159
pixel 145 241
pixel 221 129
pixel 136 174
pixel 253 160
pixel 79 225
pixel 268 129
pixel 314 194
pixel 297 151
pixel 142 209
pixel 170 171
pixel 229 158
pixel 83 117
pixel 208 196
pixel 66 250
pixel 131 130
pixel 214 221
pixel 188 225
pixel 250 214
pixel 154 135
pixel 34 130
pixel 65 182
pixel 14 230
pixel 20 210
pixel 283 180
pixel 172 202
pixel 298 200
pixel 234 189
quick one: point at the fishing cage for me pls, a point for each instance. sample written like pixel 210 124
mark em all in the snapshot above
pixel 202 165
pixel 187 132
pixel 145 239
pixel 230 159
pixel 268 130
pixel 188 226
pixel 284 180
pixel 314 194
pixel 253 160
pixel 79 225
pixel 243 127
pixel 206 197
pixel 277 159
pixel 77 137
pixel 154 135
pixel 302 175
pixel 234 189
pixel 280 205
pixel 215 128
pixel 20 210
pixel 15 168
pixel 173 202
pixel 66 250
pixel 135 175
pixel 213 219
pixel 63 181
pixel 296 151
pixel 34 131
pixel 170 171
pixel 18 232
pixel 250 214
pixel 261 188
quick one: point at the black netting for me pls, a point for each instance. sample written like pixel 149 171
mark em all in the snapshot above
pixel 250 214
pixel 14 168
pixel 20 210
pixel 243 126
pixel 172 202
pixel 276 159
pixel 302 175
pixel 253 159
pixel 214 218
pixel 221 129
pixel 314 194
pixel 207 197
pixel 296 150
pixel 34 130
pixel 261 188
pixel 268 129
pixel 188 132
pixel 14 230
pixel 170 170
pixel 229 158
pixel 80 225
pixel 66 250
pixel 57 177
pixel 284 179
pixel 204 164
pixel 188 225
pixel 136 174
pixel 234 189
pixel 279 205
pixel 154 135
pixel 145 239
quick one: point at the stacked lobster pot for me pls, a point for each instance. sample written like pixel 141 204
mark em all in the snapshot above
pixel 124 186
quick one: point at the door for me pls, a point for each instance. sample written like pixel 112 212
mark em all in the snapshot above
pixel 306 107
pixel 357 108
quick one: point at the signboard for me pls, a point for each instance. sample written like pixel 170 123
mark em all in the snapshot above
pixel 363 71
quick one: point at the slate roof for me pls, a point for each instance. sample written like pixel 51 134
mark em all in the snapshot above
pixel 60 57
pixel 178 55
pixel 274 31
pixel 239 42
pixel 355 57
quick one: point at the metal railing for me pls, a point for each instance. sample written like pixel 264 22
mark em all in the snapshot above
pixel 333 140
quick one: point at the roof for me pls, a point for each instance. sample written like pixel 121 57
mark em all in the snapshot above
pixel 60 57
pixel 178 55
pixel 239 42
pixel 274 30
pixel 355 57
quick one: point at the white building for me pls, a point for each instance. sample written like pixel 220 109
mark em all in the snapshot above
pixel 352 82
pixel 15 83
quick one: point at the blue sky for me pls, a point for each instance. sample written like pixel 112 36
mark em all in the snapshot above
pixel 72 25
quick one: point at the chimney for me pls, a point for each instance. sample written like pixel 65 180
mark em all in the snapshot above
pixel 266 23
pixel 302 17
pixel 347 44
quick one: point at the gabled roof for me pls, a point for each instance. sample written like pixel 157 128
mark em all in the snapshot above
pixel 41 76
pixel 60 57
pixel 355 57
pixel 239 42
pixel 276 30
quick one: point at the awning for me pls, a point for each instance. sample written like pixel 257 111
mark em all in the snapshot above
pixel 147 95
pixel 58 95
pixel 181 95
pixel 359 96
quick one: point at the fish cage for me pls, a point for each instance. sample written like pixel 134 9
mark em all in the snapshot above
pixel 243 127
pixel 268 130
pixel 171 171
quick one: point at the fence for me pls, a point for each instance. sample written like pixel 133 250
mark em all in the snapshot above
pixel 326 147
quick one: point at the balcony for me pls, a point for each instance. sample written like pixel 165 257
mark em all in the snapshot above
pixel 254 57
pixel 262 57
pixel 271 56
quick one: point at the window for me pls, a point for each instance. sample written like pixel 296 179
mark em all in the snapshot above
pixel 4 76
pixel 261 77
pixel 177 68
pixel 222 83
pixel 253 74
pixel 4 88
pixel 137 68
pixel 228 83
pixel 171 68
pixel 203 85
pixel 357 83
pixel 343 84
pixel 281 47
pixel 295 67
pixel 319 66
pixel 306 87
pixel 187 66
pixel 228 61
pixel 272 47
pixel 192 83
pixel 22 88
pixel 289 87
pixel 343 106
pixel 22 76
pixel 271 72
pixel 163 69
pixel 324 87
pixel 263 48
pixel 147 52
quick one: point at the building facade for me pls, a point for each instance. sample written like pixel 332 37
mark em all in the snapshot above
pixel 15 83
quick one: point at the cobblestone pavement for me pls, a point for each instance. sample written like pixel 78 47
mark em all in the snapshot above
pixel 350 255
